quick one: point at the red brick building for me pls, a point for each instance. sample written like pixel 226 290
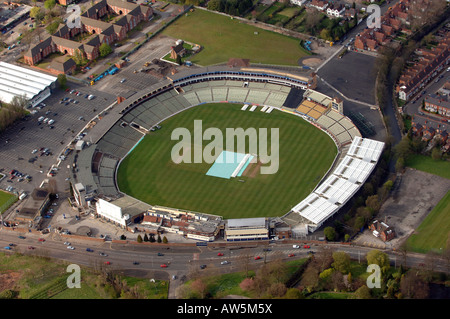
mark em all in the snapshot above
pixel 105 32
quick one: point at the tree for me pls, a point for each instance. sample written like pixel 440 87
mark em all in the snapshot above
pixel 412 285
pixel 436 154
pixel 330 233
pixel 325 34
pixel 293 293
pixel 400 165
pixel 341 262
pixel 363 292
pixel 215 5
pixel 379 258
pixel 104 49
pixel 52 27
pixel 139 239
pixel 199 287
pixel 312 20
pixel 49 4
pixel 246 284
pixel 373 204
pixel 179 61
pixel 37 13
pixel 62 81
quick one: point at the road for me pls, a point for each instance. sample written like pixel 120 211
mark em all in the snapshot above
pixel 180 260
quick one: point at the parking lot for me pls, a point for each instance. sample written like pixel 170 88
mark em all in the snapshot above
pixel 353 75
pixel 23 144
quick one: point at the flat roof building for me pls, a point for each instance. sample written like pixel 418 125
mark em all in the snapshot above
pixel 246 229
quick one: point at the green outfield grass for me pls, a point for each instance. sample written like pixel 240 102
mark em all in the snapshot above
pixel 306 153
pixel 223 38
pixel 433 232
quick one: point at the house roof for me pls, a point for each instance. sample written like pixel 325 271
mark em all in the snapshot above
pixel 61 65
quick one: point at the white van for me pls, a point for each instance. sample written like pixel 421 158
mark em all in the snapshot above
pixel 51 122
pixel 41 119
pixel 90 97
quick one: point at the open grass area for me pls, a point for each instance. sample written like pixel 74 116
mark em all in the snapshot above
pixel 427 164
pixel 223 38
pixel 148 173
pixel 433 232
pixel 33 277
pixel 6 200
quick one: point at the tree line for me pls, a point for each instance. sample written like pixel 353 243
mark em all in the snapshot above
pixel 11 112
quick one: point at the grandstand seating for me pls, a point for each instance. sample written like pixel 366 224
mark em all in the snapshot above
pixel 341 184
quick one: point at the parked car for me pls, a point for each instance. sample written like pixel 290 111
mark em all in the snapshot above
pixel 163 266
pixel 219 254
pixel 257 257
pixel 89 250
pixel 225 262
pixel 70 247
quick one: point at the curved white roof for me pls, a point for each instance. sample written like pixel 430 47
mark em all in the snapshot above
pixel 17 81
pixel 343 183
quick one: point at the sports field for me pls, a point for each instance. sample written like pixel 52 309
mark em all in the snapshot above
pixel 433 233
pixel 305 154
pixel 223 38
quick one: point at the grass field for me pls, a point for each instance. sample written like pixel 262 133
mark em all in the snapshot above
pixel 223 38
pixel 6 199
pixel 427 164
pixel 433 233
pixel 305 154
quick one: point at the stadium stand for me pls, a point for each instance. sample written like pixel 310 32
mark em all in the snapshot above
pixel 159 102
pixel 338 187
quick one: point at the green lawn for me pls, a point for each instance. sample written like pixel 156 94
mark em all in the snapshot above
pixel 6 199
pixel 305 154
pixel 433 232
pixel 223 38
pixel 427 164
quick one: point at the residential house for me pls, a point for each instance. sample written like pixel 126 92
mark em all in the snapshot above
pixel 417 129
pixel 382 230
pixel 438 104
pixel 298 2
pixel 105 32
pixel 177 50
pixel 428 133
pixel 430 63
pixel 336 11
pixel 62 66
pixel 320 5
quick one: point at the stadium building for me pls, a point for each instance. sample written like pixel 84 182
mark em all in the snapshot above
pixel 357 157
pixel 19 81
pixel 247 229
